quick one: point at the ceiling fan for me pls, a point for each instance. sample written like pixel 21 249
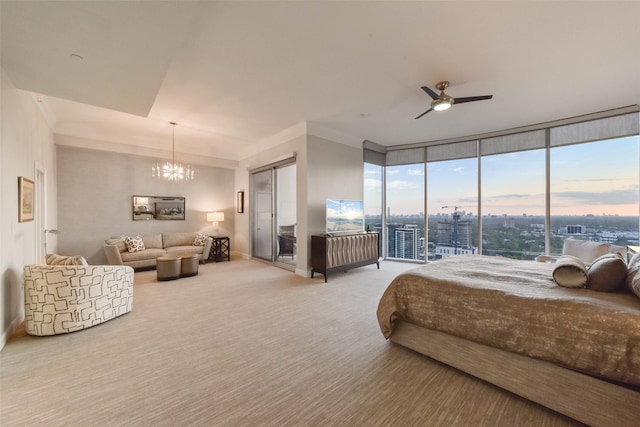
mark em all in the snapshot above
pixel 444 102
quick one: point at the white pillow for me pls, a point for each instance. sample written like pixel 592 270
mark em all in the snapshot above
pixel 570 272
pixel 586 250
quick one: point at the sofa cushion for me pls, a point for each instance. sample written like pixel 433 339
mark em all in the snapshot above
pixel 152 241
pixel 178 239
pixel 134 244
pixel 190 249
pixel 55 259
pixel 607 273
pixel 570 272
pixel 142 255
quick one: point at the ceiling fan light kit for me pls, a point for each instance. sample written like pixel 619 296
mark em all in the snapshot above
pixel 444 102
pixel 441 104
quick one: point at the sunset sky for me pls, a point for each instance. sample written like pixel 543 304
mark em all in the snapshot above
pixel 595 178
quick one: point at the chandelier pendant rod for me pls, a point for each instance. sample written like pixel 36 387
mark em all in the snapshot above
pixel 173 128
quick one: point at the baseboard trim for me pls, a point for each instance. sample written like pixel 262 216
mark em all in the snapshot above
pixel 4 338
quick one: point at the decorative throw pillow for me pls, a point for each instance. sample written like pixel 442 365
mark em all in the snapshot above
pixel 633 275
pixel 200 239
pixel 55 259
pixel 134 244
pixel 585 250
pixel 570 272
pixel 607 273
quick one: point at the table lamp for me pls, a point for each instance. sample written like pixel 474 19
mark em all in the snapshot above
pixel 215 218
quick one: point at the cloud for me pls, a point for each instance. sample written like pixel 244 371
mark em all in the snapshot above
pixel 612 197
pixel 414 172
pixel 512 196
pixel 400 185
pixel 372 184
pixel 392 171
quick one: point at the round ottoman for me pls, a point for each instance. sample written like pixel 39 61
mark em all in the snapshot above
pixel 189 265
pixel 168 267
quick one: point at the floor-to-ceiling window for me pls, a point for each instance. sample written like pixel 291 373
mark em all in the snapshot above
pixel 515 193
pixel 594 192
pixel 452 207
pixel 513 203
pixel 405 231
pixel 373 200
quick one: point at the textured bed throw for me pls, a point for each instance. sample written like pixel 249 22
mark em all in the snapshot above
pixel 516 306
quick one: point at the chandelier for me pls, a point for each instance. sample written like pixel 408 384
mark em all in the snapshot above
pixel 172 171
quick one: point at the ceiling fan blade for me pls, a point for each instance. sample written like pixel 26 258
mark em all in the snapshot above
pixel 471 98
pixel 431 93
pixel 424 113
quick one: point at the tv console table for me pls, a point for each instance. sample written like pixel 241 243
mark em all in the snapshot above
pixel 343 252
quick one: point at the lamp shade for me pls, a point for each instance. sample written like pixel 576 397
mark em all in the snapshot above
pixel 215 216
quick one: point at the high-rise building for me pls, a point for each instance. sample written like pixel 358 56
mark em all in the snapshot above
pixel 573 229
pixel 407 242
pixel 454 237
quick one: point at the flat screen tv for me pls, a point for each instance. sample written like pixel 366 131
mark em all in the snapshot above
pixel 345 216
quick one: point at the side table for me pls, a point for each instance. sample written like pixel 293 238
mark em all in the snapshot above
pixel 220 249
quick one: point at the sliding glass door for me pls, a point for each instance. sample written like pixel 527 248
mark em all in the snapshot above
pixel 262 184
pixel 274 234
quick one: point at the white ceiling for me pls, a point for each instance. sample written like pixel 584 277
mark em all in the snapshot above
pixel 234 74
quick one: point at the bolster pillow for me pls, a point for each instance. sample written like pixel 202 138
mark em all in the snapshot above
pixel 570 272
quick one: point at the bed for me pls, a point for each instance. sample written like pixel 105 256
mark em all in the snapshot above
pixel 576 351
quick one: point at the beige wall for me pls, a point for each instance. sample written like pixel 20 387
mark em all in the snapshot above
pixel 335 171
pixel 324 169
pixel 94 199
pixel 26 144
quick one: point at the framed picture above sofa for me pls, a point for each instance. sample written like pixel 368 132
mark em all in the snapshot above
pixel 162 208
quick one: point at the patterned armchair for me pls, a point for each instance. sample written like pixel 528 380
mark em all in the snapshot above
pixel 60 299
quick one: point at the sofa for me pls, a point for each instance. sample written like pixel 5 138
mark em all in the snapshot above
pixel 59 299
pixel 144 250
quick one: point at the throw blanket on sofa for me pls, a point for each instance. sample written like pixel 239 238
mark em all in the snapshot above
pixel 516 306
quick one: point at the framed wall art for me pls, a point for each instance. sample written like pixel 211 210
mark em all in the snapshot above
pixel 25 199
pixel 147 208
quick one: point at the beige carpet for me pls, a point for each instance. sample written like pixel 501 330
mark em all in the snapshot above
pixel 247 344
